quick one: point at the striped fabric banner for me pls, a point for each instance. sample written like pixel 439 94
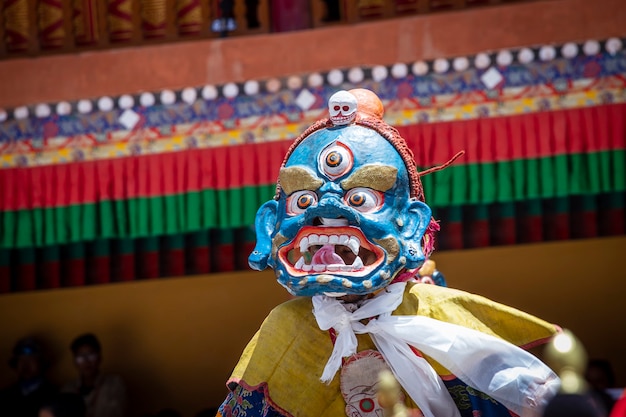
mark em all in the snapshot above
pixel 524 179
pixel 103 261
pixel 512 159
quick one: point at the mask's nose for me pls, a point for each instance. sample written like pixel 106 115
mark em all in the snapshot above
pixel 332 206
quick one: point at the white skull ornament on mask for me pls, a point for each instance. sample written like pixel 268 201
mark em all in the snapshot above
pixel 342 108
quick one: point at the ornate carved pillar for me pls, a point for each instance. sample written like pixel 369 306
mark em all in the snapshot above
pixel 120 20
pixel 17 28
pixel 153 18
pixel 86 27
pixel 50 24
pixel 189 17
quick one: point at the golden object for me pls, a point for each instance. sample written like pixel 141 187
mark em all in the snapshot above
pixel 389 244
pixel 378 177
pixel 389 396
pixel 566 355
pixel 427 269
pixel 294 179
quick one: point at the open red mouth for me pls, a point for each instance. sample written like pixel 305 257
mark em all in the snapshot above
pixel 330 250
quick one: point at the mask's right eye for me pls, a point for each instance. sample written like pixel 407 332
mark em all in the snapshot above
pixel 299 201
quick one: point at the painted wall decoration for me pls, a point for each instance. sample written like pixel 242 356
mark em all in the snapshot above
pixel 162 183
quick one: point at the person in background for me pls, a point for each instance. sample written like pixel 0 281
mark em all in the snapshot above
pixel 104 394
pixel 24 397
pixel 225 22
pixel 573 405
pixel 65 404
pixel 207 412
pixel 168 412
pixel 252 14
pixel 601 379
pixel 619 409
pixel 333 13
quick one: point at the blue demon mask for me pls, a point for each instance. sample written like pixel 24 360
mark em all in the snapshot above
pixel 343 220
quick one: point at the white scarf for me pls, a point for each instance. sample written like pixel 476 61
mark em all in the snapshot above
pixel 507 373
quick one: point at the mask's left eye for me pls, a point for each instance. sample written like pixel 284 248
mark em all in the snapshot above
pixel 299 201
pixel 364 200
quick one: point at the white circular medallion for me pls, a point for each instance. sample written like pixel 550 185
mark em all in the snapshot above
pixel 613 45
pixel 315 80
pixel 356 75
pixel 420 68
pixel 251 87
pixel 294 82
pixel 547 53
pixel 105 103
pixel 146 99
pixel 273 85
pixel 20 113
pixel 399 71
pixel 569 50
pixel 209 92
pixel 230 90
pixel 63 108
pixel 504 58
pixel 42 110
pixel 126 102
pixel 591 48
pixel 460 64
pixel 441 65
pixel 168 97
pixel 482 61
pixel 84 106
pixel 525 56
pixel 189 95
pixel 335 77
pixel 379 73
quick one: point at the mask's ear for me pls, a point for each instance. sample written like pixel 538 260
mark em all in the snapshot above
pixel 415 220
pixel 264 225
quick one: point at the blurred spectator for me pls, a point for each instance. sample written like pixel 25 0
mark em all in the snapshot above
pixel 252 17
pixel 65 404
pixel 289 15
pixel 104 394
pixel 619 409
pixel 601 379
pixel 573 405
pixel 225 22
pixel 31 390
pixel 332 11
pixel 167 412
pixel 207 412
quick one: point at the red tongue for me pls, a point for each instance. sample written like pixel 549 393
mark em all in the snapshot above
pixel 326 256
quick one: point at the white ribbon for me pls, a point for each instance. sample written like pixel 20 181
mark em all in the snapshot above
pixel 507 373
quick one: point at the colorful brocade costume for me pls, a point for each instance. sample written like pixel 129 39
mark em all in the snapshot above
pixel 346 233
